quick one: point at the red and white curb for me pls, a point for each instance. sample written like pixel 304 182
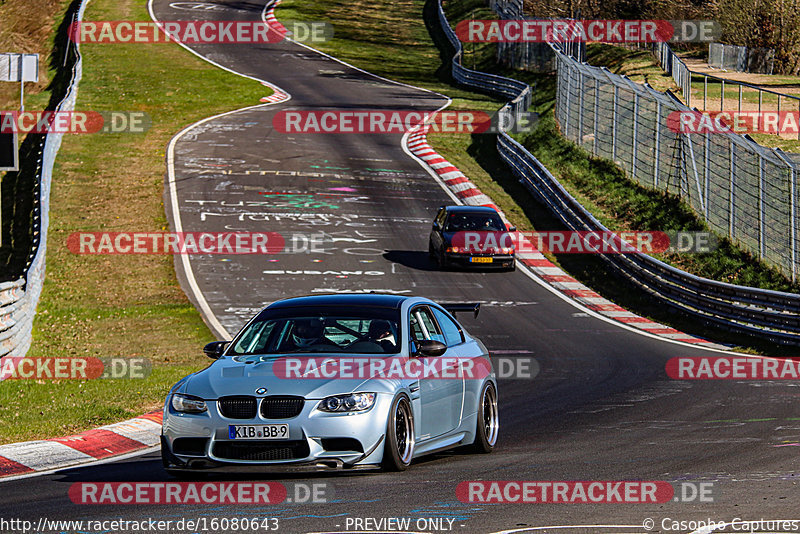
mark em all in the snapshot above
pixel 536 262
pixel 269 18
pixel 458 184
pixel 277 96
pixel 272 21
pixel 57 453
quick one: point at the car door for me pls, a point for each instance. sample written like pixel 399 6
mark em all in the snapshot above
pixel 440 398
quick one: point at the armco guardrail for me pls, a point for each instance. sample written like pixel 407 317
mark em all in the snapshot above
pixel 18 299
pixel 519 93
pixel 767 314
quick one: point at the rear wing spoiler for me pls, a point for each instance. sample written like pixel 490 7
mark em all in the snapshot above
pixel 474 307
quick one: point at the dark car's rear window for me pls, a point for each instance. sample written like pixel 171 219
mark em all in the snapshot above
pixel 461 222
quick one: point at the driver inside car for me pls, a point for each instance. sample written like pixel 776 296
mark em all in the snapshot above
pixel 380 332
pixel 308 333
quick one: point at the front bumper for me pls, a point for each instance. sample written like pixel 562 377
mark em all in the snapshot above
pixel 317 440
pixel 498 261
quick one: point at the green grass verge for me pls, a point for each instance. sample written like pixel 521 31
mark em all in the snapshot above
pixel 124 305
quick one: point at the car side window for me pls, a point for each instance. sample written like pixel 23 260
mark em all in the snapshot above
pixel 441 217
pixel 425 316
pixel 415 323
pixel 256 340
pixel 452 333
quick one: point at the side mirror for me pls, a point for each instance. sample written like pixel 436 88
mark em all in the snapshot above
pixel 430 347
pixel 512 228
pixel 215 349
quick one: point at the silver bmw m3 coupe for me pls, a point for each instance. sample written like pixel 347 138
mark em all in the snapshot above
pixel 335 381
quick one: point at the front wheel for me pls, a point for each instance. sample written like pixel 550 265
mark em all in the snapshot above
pixel 398 448
pixel 488 422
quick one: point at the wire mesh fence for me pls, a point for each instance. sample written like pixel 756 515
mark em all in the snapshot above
pixel 741 58
pixel 712 93
pixel 742 189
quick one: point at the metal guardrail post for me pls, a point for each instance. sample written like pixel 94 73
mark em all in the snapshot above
pixel 569 100
pixel 793 222
pixel 732 201
pixel 696 174
pixel 740 97
pixel 705 93
pixel 614 126
pixel 657 145
pixel 761 207
pixel 706 164
pixel 760 98
pixel 635 134
pixel 688 84
pixel 596 109
pixel 580 108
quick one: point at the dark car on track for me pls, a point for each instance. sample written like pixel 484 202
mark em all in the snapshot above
pixel 471 236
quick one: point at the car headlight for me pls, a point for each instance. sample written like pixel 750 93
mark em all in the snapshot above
pixel 455 249
pixel 188 403
pixel 507 250
pixel 357 402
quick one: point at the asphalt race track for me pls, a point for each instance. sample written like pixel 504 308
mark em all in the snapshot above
pixel 601 407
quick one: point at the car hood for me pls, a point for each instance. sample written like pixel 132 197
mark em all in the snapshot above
pixel 227 376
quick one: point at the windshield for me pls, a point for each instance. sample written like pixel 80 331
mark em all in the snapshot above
pixel 358 331
pixel 460 222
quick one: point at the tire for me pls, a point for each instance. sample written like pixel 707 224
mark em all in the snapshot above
pixel 398 447
pixel 164 459
pixel 441 261
pixel 433 256
pixel 487 426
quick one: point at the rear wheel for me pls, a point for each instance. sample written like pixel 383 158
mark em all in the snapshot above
pixel 433 255
pixel 488 423
pixel 398 448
